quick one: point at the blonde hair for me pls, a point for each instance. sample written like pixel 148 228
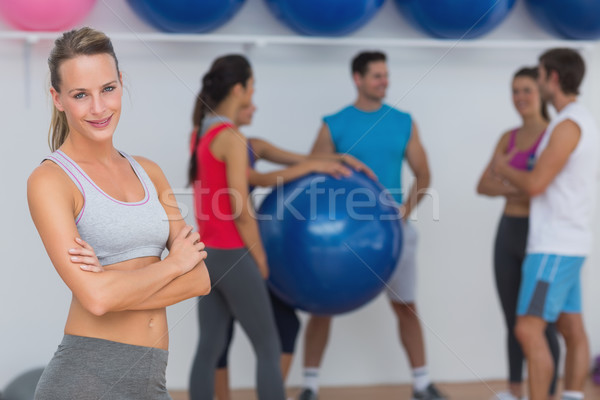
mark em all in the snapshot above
pixel 84 41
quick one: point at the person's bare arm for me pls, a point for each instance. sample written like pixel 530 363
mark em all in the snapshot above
pixel 323 144
pixel 551 161
pixel 296 171
pixel 299 165
pixel 194 283
pixel 269 152
pixel 51 201
pixel 491 184
pixel 417 161
pixel 235 154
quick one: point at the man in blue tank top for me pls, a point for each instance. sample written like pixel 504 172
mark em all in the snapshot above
pixel 381 137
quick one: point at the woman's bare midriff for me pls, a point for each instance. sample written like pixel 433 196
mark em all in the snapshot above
pixel 141 328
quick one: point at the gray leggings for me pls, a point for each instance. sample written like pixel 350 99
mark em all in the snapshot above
pixel 85 368
pixel 238 291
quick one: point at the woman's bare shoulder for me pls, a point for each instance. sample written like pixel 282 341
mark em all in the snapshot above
pixel 48 174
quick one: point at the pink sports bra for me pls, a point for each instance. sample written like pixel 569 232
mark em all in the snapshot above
pixel 523 159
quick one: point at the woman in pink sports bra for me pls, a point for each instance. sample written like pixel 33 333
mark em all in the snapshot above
pixel 511 237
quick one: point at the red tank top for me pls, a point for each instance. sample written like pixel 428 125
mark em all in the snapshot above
pixel 211 197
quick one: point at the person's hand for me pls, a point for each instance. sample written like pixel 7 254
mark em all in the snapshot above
pixel 402 212
pixel 358 165
pixel 333 168
pixel 501 161
pixel 85 256
pixel 187 250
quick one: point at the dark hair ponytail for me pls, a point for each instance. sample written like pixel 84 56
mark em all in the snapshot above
pixel 224 74
pixel 533 74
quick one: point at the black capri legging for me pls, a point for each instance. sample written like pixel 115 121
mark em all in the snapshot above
pixel 287 323
pixel 509 253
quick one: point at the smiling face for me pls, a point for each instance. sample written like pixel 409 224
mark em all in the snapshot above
pixel 373 84
pixel 90 95
pixel 526 96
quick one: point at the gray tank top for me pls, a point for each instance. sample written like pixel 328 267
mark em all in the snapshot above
pixel 210 120
pixel 117 230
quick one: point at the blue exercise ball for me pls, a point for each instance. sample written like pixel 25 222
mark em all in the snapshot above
pixel 186 16
pixel 23 386
pixel 331 243
pixel 324 17
pixel 455 19
pixel 572 19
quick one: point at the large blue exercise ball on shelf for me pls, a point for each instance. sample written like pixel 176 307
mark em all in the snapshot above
pixel 186 16
pixel 324 17
pixel 572 19
pixel 331 243
pixel 455 19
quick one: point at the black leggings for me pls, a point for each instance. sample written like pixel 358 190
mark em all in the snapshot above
pixel 287 323
pixel 509 253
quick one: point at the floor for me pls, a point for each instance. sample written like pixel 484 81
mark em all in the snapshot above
pixel 456 391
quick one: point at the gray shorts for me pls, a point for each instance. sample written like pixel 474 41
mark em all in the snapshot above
pixel 85 368
pixel 401 288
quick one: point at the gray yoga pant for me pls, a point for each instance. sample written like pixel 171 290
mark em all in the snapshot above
pixel 239 291
pixel 85 368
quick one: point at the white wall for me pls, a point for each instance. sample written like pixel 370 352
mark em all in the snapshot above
pixel 461 100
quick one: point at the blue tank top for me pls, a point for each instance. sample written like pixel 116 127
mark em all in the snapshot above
pixel 377 138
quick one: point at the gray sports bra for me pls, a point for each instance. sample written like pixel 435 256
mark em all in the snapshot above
pixel 118 230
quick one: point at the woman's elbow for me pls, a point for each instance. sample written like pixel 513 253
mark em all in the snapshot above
pixel 204 289
pixel 203 286
pixel 96 305
pixel 98 310
pixel 480 189
pixel 485 187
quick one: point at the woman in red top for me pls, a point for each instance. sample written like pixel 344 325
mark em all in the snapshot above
pixel 219 174
pixel 296 165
